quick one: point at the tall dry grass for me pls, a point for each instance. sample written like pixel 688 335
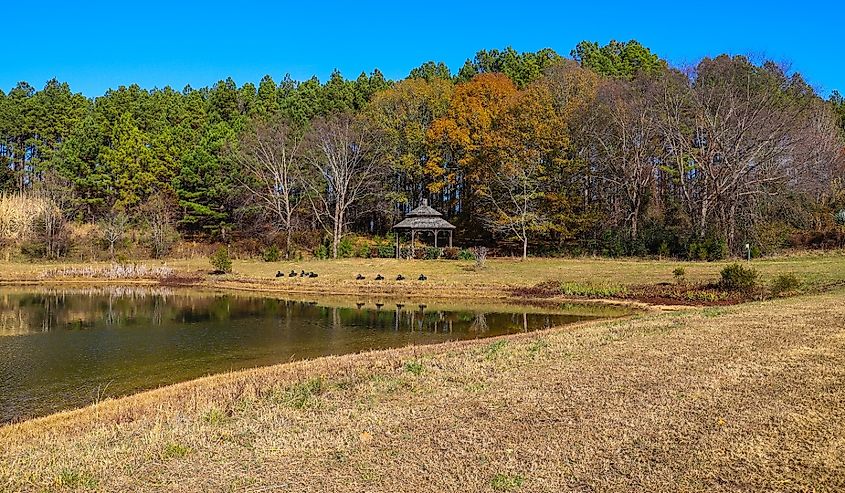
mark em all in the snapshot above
pixel 18 214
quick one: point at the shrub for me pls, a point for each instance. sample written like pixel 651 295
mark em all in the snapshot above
pixel 386 251
pixel 322 252
pixel 840 217
pixel 663 249
pixel 736 277
pixel 272 254
pixel 220 260
pixel 783 283
pixel 707 249
pixel 432 253
pixel 466 255
pixel 679 273
pixel 345 247
pixel 363 251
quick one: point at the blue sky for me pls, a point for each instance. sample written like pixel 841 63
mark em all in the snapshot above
pixel 98 45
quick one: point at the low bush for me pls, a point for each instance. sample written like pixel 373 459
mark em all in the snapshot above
pixel 272 254
pixel 363 251
pixel 679 273
pixel 220 261
pixel 466 255
pixel 345 247
pixel 432 253
pixel 736 277
pixel 784 283
pixel 386 251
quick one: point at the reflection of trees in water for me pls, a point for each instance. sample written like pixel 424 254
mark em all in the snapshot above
pixel 45 310
pixel 480 323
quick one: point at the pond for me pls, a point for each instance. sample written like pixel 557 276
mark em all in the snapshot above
pixel 66 348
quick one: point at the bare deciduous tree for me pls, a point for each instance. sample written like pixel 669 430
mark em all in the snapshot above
pixel 344 158
pixel 732 131
pixel 158 217
pixel 515 198
pixel 628 141
pixel 113 228
pixel 270 157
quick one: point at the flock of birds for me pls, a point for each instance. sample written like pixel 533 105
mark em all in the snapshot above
pixel 294 274
pixel 359 277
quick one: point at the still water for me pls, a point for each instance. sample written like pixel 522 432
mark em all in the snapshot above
pixel 65 348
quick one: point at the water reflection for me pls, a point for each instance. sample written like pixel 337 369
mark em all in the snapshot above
pixel 61 348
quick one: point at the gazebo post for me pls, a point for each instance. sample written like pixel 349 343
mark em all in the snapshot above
pixel 450 238
pixel 413 232
pixel 397 243
pixel 435 238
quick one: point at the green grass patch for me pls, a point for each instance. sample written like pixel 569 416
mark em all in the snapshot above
pixel 589 290
pixel 304 394
pixel 507 482
pixel 537 345
pixel 414 367
pixel 73 478
pixel 495 348
pixel 214 416
pixel 713 312
pixel 174 450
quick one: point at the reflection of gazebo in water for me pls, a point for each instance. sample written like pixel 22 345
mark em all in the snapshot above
pixel 423 218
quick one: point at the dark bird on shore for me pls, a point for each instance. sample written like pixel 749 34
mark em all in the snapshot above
pixel 279 274
pixel 292 273
pixel 422 278
pixel 302 273
pixel 400 277
pixel 379 277
pixel 312 274
pixel 359 277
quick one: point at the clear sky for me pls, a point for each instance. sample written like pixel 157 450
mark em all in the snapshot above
pixel 98 45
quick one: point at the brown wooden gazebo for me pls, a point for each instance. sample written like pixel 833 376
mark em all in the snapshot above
pixel 423 218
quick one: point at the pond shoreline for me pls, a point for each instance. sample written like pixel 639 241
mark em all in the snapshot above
pixel 504 293
pixel 542 397
pixel 103 336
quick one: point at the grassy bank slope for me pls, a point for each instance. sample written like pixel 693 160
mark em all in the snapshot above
pixel 717 399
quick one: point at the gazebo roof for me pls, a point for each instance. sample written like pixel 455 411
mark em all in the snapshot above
pixel 424 217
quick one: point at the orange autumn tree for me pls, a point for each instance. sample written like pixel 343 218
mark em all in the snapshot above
pixel 463 141
pixel 528 151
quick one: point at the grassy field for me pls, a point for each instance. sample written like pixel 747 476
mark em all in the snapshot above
pixel 461 278
pixel 744 398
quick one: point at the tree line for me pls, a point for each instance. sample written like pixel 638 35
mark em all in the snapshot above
pixel 610 150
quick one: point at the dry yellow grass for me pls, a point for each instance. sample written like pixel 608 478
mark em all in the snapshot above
pixel 457 278
pixel 746 398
